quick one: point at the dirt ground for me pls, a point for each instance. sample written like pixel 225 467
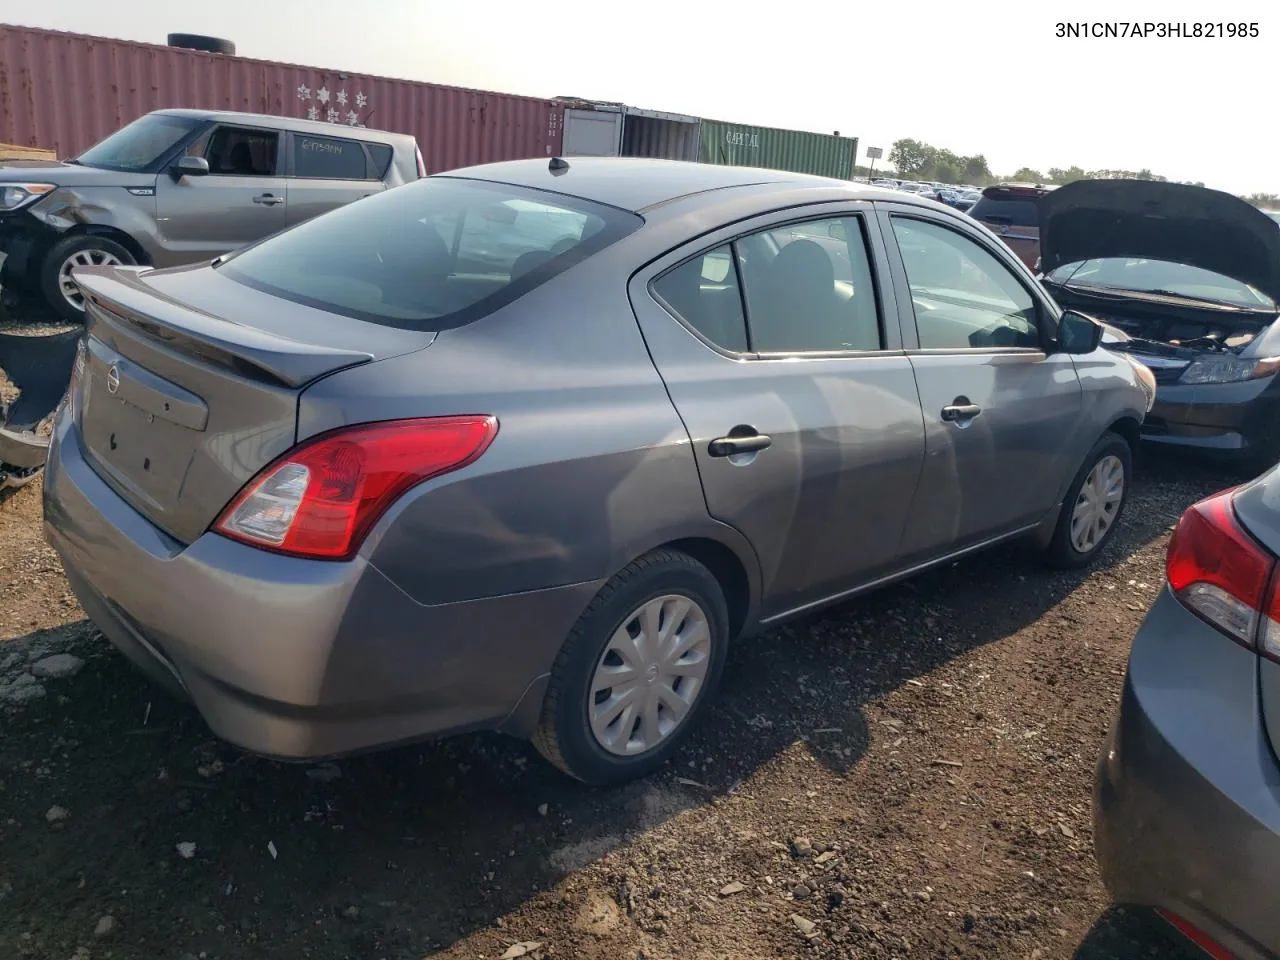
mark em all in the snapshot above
pixel 929 748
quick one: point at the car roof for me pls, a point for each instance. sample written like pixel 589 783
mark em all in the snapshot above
pixel 292 124
pixel 639 184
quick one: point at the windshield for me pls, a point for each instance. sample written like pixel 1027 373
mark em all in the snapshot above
pixel 137 147
pixel 1158 276
pixel 432 254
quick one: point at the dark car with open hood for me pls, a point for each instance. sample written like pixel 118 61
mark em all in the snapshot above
pixel 1187 281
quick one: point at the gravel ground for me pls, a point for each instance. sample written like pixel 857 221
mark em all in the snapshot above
pixel 907 775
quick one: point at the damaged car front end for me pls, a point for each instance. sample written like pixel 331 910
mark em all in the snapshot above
pixel 1187 282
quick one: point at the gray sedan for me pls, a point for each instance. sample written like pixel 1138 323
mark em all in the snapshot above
pixel 1187 805
pixel 527 446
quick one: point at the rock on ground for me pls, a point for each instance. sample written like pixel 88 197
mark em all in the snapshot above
pixel 59 666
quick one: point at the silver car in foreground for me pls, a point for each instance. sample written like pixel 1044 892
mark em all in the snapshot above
pixel 1187 801
pixel 526 446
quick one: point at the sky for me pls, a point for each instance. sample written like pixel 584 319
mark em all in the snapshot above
pixel 987 76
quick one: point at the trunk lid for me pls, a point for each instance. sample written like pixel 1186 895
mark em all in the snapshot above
pixel 1257 506
pixel 181 402
pixel 1170 222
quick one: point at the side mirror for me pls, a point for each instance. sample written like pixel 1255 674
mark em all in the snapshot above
pixel 1078 333
pixel 189 167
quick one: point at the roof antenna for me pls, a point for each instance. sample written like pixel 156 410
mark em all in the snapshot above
pixel 558 165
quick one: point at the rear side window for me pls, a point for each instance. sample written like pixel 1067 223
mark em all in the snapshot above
pixel 328 158
pixel 431 255
pixel 704 293
pixel 379 158
pixel 1013 211
pixel 809 289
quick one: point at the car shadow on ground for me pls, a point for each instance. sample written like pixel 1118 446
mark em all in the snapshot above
pixel 1125 933
pixel 409 850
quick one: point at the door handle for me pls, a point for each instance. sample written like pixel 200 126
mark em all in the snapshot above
pixel 960 412
pixel 728 446
pixel 268 199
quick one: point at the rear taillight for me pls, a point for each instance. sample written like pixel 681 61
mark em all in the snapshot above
pixel 1221 573
pixel 320 499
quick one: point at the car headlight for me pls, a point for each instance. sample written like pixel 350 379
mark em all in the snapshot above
pixel 1228 368
pixel 1146 379
pixel 15 195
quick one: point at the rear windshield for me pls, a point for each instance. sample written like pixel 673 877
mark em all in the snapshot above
pixel 1009 211
pixel 433 254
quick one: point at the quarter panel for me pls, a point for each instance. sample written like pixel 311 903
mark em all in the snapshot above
pixel 591 466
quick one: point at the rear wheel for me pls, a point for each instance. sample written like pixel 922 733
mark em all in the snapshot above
pixel 1094 504
pixel 56 282
pixel 636 671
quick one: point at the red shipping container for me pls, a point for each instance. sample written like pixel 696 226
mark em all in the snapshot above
pixel 65 91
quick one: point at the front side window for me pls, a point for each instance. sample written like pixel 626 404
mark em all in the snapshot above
pixel 430 255
pixel 964 297
pixel 139 146
pixel 241 152
pixel 328 158
pixel 808 288
pixel 704 293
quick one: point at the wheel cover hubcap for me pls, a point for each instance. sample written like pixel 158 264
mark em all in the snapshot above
pixel 651 672
pixel 82 258
pixel 1097 504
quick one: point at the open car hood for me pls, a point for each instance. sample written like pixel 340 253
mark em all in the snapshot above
pixel 1152 220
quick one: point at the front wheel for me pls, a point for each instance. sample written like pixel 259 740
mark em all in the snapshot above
pixel 636 671
pixel 1093 505
pixel 56 282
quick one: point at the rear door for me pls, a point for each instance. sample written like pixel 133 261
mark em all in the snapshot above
pixel 328 172
pixel 240 201
pixel 801 405
pixel 997 407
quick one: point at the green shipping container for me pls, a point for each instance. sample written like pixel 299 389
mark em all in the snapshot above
pixel 736 144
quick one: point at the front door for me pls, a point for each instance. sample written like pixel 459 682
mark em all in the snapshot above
pixel 241 200
pixel 998 410
pixel 801 406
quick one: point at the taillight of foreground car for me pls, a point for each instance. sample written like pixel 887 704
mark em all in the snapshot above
pixel 1224 576
pixel 321 498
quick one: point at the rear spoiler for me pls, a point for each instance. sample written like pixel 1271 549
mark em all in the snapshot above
pixel 116 296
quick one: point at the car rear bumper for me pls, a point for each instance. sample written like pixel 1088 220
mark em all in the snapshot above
pixel 294 658
pixel 1231 420
pixel 1187 795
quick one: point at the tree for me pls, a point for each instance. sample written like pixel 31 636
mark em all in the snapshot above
pixel 1028 175
pixel 1059 175
pixel 976 170
pixel 944 173
pixel 911 158
pixel 1264 201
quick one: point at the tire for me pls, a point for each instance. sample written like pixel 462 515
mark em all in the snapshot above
pixel 565 734
pixel 90 249
pixel 1063 551
pixel 194 41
